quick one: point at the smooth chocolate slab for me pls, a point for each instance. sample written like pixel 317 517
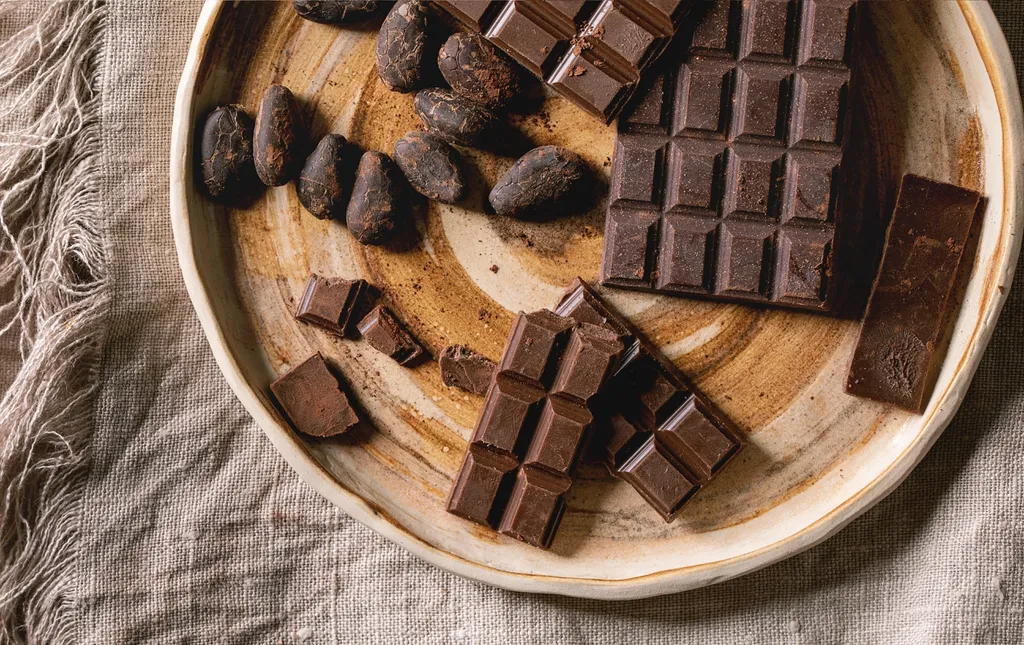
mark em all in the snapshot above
pixel 463 368
pixel 387 335
pixel 592 52
pixel 727 172
pixel 313 399
pixel 658 433
pixel 898 356
pixel 527 439
pixel 336 304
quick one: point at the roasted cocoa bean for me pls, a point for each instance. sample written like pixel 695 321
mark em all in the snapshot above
pixel 379 204
pixel 226 153
pixel 456 119
pixel 479 71
pixel 545 183
pixel 336 12
pixel 431 166
pixel 402 47
pixel 279 137
pixel 325 183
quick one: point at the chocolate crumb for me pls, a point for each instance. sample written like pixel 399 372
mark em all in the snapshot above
pixel 494 268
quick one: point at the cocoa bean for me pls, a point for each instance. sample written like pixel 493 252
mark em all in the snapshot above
pixel 279 137
pixel 431 166
pixel 456 119
pixel 336 12
pixel 225 151
pixel 325 183
pixel 545 183
pixel 379 204
pixel 479 71
pixel 402 47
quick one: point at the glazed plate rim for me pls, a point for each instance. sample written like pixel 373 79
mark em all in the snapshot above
pixel 995 54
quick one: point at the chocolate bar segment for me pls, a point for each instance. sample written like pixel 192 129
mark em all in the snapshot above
pixel 387 335
pixel 336 304
pixel 527 439
pixel 593 52
pixel 897 357
pixel 726 173
pixel 658 433
pixel 313 399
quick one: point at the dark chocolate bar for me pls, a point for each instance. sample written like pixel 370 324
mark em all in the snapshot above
pixel 313 399
pixel 336 304
pixel 592 52
pixel 726 172
pixel 898 354
pixel 527 439
pixel 661 435
pixel 387 335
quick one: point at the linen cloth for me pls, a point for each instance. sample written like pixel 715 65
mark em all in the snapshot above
pixel 193 530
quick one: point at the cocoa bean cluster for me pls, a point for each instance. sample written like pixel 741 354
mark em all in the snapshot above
pixel 464 86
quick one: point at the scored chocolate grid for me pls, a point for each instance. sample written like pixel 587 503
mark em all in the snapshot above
pixel 656 432
pixel 526 441
pixel 591 51
pixel 740 200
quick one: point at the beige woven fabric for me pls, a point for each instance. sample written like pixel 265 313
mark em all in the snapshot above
pixel 193 530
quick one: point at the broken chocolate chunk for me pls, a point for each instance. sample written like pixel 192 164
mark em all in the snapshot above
pixel 463 368
pixel 899 352
pixel 335 304
pixel 313 399
pixel 387 335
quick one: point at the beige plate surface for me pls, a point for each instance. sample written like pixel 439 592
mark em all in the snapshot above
pixel 944 104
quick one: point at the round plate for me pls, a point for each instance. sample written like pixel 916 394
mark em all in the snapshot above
pixel 940 89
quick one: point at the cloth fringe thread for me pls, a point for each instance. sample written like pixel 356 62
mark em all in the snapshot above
pixel 53 307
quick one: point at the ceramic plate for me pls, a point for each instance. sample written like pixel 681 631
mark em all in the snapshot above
pixel 942 101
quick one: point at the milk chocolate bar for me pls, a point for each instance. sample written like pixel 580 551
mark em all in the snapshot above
pixel 726 173
pixel 593 53
pixel 662 436
pixel 527 439
pixel 897 356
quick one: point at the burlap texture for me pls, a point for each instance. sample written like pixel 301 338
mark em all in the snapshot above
pixel 193 529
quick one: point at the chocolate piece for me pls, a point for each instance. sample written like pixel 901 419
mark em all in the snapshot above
pixel 279 136
pixel 431 166
pixel 336 304
pixel 336 12
pixel 592 52
pixel 314 399
pixel 527 439
pixel 457 120
pixel 226 153
pixel 898 356
pixel 325 183
pixel 382 330
pixel 660 434
pixel 726 173
pixel 479 71
pixel 544 183
pixel 379 204
pixel 463 368
pixel 402 46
